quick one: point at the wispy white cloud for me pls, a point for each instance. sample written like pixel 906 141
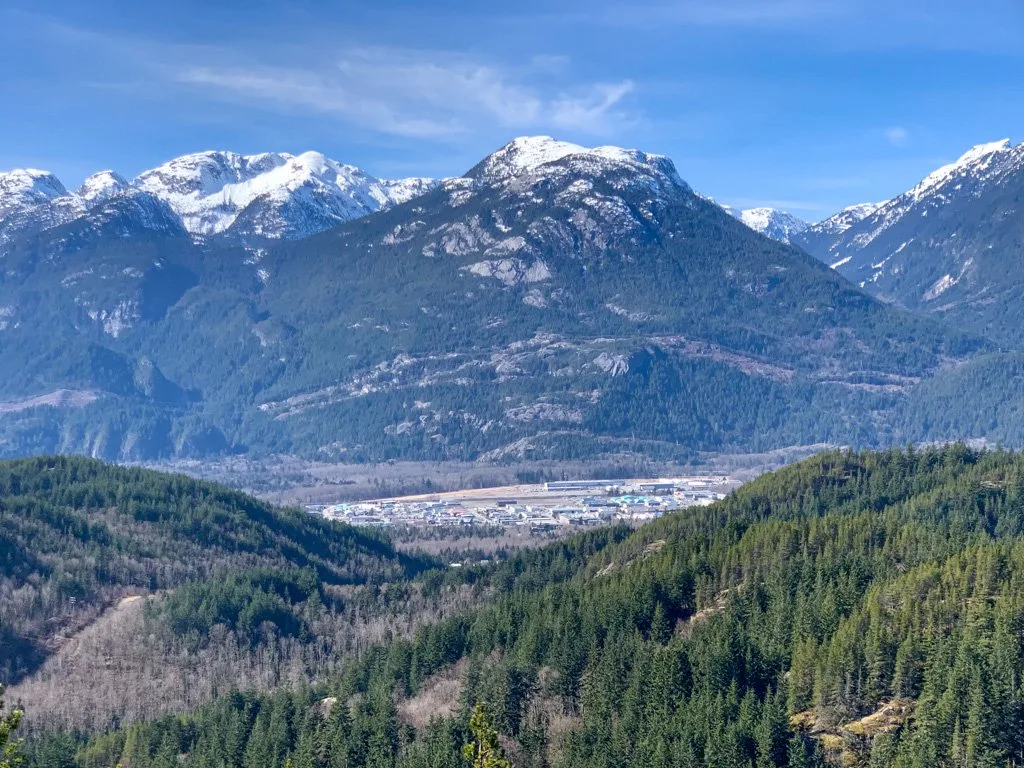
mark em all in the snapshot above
pixel 420 94
pixel 897 135
pixel 298 90
pixel 596 111
pixel 391 91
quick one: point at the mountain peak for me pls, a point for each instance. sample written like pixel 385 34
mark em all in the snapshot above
pixel 402 190
pixel 201 174
pixel 770 222
pixel 527 154
pixel 979 151
pixel 28 186
pixel 269 195
pixel 102 186
pixel 862 209
pixel 954 235
pixel 981 162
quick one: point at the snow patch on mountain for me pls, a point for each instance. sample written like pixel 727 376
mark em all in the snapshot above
pixel 941 285
pixel 946 282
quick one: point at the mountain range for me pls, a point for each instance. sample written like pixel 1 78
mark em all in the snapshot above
pixel 250 197
pixel 553 301
pixel 951 246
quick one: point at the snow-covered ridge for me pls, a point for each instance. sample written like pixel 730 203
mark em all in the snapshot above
pixel 980 162
pixel 969 176
pixel 838 223
pixel 400 191
pixel 918 246
pixel 277 194
pixel 529 155
pixel 209 190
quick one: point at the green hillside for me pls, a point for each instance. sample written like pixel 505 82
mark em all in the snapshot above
pixel 76 535
pixel 855 609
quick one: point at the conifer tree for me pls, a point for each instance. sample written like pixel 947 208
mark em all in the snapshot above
pixel 484 751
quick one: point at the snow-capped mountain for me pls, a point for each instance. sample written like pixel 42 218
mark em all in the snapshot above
pixel 600 195
pixel 270 195
pixel 954 242
pixel 30 198
pixel 101 186
pixel 529 154
pixel 248 197
pixel 771 222
pixel 27 187
pixel 551 286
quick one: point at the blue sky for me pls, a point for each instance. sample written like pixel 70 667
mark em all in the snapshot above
pixel 808 105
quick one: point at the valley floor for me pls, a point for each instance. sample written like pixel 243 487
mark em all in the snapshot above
pixel 296 481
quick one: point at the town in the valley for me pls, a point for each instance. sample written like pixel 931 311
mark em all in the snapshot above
pixel 546 506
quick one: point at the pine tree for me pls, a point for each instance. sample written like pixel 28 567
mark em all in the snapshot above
pixel 484 751
pixel 771 733
pixel 977 733
pixel 382 742
pixel 661 629
pixel 307 753
pixel 259 751
pixel 796 754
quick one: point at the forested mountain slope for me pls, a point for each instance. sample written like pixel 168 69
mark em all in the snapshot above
pixel 143 593
pixel 77 535
pixel 555 302
pixel 859 609
pixel 573 304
